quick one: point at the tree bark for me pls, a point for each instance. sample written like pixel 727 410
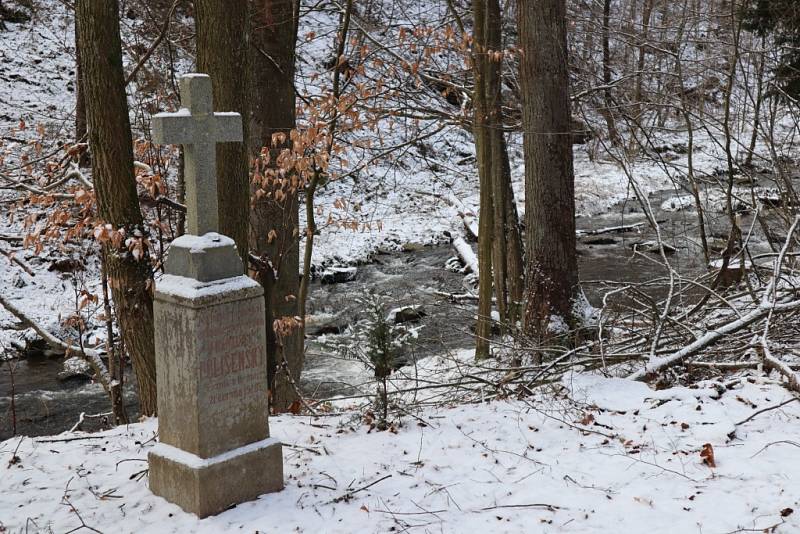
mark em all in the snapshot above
pixel 515 257
pixel 114 184
pixel 606 110
pixel 552 268
pixel 483 155
pixel 647 10
pixel 496 141
pixel 222 53
pixel 80 101
pixel 274 219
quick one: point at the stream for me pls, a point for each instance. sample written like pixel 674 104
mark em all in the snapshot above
pixel 46 405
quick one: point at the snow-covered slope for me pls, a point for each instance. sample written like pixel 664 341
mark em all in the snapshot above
pixel 617 458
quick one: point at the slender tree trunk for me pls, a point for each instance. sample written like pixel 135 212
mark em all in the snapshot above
pixel 687 118
pixel 483 328
pixel 552 268
pixel 114 362
pixel 274 221
pixel 759 97
pixel 515 269
pixel 647 10
pixel 318 174
pixel 80 101
pixel 607 111
pixel 115 187
pixel 587 55
pixel 495 139
pixel 222 53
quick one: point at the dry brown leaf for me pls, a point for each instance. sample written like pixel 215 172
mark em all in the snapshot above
pixel 707 454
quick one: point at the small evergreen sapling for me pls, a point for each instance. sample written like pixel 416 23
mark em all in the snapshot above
pixel 378 342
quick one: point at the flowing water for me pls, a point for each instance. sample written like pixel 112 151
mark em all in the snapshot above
pixel 45 405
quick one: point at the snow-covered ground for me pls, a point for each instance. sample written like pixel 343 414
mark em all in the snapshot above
pixel 611 456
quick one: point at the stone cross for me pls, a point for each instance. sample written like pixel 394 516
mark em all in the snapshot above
pixel 214 447
pixel 198 129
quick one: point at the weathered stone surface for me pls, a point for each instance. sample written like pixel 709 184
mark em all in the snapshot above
pixel 207 487
pixel 214 448
pixel 211 364
pixel 211 358
pixel 204 258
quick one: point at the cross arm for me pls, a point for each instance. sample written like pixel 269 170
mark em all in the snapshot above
pixel 228 127
pixel 173 128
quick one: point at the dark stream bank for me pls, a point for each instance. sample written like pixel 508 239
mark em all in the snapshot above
pixel 46 405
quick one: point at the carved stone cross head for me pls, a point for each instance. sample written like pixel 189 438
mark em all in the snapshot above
pixel 198 129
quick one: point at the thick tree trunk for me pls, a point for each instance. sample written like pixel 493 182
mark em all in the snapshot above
pixel 274 221
pixel 552 269
pixel 483 154
pixel 222 53
pixel 115 188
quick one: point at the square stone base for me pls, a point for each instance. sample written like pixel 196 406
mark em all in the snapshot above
pixel 207 486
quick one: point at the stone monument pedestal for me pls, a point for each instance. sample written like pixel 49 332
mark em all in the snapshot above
pixel 209 486
pixel 211 346
pixel 211 362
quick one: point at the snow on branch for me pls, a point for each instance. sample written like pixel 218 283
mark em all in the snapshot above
pixel 91 356
pixel 709 338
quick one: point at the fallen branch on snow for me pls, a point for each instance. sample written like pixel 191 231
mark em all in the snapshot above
pixel 709 338
pixel 10 255
pixel 91 356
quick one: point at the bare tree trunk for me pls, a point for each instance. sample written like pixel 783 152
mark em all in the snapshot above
pixel 112 170
pixel 80 102
pixel 274 221
pixel 115 363
pixel 756 105
pixel 647 10
pixel 606 111
pixel 515 269
pixel 483 328
pixel 222 53
pixel 497 146
pixel 687 118
pixel 552 268
pixel 587 54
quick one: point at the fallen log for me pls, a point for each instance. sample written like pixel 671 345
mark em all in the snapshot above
pixel 636 227
pixel 11 238
pixel 466 255
pixel 771 362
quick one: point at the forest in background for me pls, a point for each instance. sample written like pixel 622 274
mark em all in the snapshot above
pixel 364 122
